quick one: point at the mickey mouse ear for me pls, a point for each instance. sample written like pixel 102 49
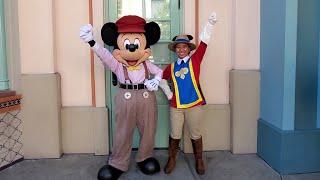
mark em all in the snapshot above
pixel 190 37
pixel 152 32
pixel 109 33
pixel 174 38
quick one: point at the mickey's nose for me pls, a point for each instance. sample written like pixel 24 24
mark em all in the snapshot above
pixel 131 47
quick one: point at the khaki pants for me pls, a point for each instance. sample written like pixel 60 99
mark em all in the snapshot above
pixel 139 110
pixel 193 117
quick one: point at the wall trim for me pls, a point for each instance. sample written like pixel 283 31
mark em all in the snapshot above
pixel 289 151
pixel 85 130
pixel 40 114
pixel 245 110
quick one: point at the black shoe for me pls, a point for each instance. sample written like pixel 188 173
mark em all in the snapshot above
pixel 149 166
pixel 107 172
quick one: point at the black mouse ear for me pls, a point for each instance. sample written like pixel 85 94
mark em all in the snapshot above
pixel 152 32
pixel 109 33
pixel 190 37
pixel 174 38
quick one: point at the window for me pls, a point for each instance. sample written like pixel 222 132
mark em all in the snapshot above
pixel 151 10
pixel 4 82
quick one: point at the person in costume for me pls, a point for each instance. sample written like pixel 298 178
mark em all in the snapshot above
pixel 135 100
pixel 187 98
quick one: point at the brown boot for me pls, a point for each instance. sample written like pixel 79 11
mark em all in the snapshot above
pixel 197 150
pixel 173 150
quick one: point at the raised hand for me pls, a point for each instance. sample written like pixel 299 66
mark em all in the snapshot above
pixel 206 32
pixel 86 33
pixel 212 18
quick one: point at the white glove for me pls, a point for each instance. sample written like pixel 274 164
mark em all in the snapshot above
pixel 152 85
pixel 212 18
pixel 205 34
pixel 86 33
pixel 166 89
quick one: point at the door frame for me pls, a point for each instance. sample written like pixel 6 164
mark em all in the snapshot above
pixel 109 17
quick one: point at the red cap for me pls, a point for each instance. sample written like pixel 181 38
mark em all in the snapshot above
pixel 131 23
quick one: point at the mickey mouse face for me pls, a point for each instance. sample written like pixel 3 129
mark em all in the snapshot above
pixel 131 46
pixel 131 37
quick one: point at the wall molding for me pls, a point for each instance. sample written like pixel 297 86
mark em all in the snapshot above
pixel 289 151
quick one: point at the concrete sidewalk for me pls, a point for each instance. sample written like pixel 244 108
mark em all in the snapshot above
pixel 221 165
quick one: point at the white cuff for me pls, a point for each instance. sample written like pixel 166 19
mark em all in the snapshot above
pixel 166 89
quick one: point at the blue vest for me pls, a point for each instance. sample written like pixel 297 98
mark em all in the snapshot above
pixel 185 86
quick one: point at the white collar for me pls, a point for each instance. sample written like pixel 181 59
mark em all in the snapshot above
pixel 185 59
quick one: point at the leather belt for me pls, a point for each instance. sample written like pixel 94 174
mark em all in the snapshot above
pixel 132 86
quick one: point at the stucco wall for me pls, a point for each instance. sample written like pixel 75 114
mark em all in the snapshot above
pixel 73 55
pixel 217 63
pixel 36 36
pixel 234 44
pixel 55 46
pixel 49 42
pixel 246 35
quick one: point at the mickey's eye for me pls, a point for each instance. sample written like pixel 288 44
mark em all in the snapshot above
pixel 126 43
pixel 137 43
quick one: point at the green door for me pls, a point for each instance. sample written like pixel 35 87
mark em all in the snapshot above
pixel 167 14
pixel 4 82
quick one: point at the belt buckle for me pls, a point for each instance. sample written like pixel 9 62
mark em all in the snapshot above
pixel 135 87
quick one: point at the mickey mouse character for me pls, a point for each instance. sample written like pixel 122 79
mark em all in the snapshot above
pixel 135 101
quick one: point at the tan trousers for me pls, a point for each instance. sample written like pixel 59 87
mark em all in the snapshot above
pixel 140 110
pixel 193 117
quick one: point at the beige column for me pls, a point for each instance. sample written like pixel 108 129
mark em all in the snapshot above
pixel 244 100
pixel 41 106
pixel 40 85
pixel 245 76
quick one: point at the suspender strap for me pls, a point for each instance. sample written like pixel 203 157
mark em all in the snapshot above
pixel 126 76
pixel 146 71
